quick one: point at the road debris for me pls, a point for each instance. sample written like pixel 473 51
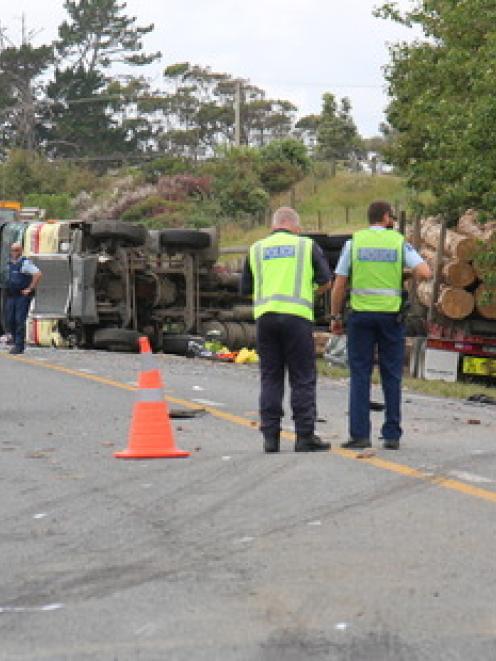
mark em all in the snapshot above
pixel 481 399
pixel 366 454
pixel 473 421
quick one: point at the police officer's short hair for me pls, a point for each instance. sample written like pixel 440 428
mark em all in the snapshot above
pixel 377 211
pixel 285 215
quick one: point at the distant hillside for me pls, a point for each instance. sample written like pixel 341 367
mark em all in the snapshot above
pixel 331 197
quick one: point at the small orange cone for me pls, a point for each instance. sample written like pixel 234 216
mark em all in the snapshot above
pixel 150 435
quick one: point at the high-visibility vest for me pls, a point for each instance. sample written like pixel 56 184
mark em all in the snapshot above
pixel 376 270
pixel 283 275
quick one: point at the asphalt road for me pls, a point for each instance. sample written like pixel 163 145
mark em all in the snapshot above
pixel 231 554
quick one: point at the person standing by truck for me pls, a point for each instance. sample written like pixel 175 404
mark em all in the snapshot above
pixel 281 272
pixel 374 261
pixel 23 278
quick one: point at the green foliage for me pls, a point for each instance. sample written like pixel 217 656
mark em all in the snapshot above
pixel 165 165
pixel 282 164
pixel 443 108
pixel 98 34
pixel 337 135
pixel 151 206
pixel 25 173
pixel 237 185
pixel 58 206
pixel 290 150
pixel 20 111
pixel 485 263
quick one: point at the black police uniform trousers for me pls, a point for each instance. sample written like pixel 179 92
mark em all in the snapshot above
pixel 285 342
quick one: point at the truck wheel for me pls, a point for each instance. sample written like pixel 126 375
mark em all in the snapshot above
pixel 116 339
pixel 178 238
pixel 179 344
pixel 130 235
pixel 417 358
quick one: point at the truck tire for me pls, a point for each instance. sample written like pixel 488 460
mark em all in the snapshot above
pixel 127 234
pixel 179 238
pixel 178 344
pixel 116 339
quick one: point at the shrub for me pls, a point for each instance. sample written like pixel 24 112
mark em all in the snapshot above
pixel 57 206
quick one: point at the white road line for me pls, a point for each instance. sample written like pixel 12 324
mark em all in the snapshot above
pixel 470 477
pixel 207 402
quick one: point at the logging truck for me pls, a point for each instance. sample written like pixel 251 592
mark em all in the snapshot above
pixel 453 317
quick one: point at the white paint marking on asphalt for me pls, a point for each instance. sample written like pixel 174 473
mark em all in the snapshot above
pixel 341 626
pixel 146 629
pixel 198 388
pixel 41 515
pixel 245 540
pixel 87 371
pixel 226 458
pixel 52 607
pixel 207 402
pixel 314 523
pixel 470 477
pixel 31 609
pixel 132 383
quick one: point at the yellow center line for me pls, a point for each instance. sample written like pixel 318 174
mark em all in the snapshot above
pixel 377 462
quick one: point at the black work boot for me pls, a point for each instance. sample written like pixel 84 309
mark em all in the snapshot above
pixel 311 443
pixel 271 443
pixel 357 444
pixel 391 444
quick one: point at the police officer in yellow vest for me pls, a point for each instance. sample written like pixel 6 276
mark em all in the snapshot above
pixel 374 260
pixel 281 273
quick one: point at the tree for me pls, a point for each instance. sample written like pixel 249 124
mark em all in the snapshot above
pixel 443 108
pixel 337 135
pixel 98 34
pixel 283 163
pixel 21 69
pixel 86 111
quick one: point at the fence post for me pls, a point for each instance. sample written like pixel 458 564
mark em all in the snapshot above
pixel 319 220
pixel 347 215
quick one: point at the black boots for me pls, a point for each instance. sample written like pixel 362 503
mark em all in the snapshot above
pixel 311 443
pixel 271 443
pixel 357 444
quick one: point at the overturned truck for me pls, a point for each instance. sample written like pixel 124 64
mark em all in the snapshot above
pixel 106 282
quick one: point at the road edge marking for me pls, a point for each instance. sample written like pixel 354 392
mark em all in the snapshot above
pixel 378 462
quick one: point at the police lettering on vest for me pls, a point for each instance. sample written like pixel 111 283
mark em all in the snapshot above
pixel 283 275
pixel 377 271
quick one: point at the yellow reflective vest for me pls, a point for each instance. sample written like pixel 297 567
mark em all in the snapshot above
pixel 283 275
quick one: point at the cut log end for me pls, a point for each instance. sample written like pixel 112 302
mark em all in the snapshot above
pixel 459 274
pixel 455 303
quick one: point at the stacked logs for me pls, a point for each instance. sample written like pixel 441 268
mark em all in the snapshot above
pixel 462 291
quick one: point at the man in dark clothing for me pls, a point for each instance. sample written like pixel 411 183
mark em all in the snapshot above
pixel 281 273
pixel 23 277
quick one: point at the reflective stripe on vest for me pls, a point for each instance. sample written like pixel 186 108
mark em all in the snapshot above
pixel 296 297
pixel 376 292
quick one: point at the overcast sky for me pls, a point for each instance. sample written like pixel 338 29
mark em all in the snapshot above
pixel 295 49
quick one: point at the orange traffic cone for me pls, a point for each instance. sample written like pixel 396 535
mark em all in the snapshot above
pixel 150 435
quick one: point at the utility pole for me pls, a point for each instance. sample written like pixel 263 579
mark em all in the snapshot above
pixel 237 114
